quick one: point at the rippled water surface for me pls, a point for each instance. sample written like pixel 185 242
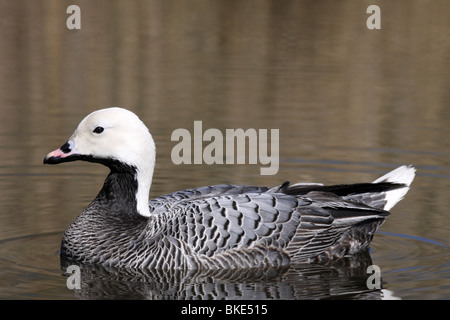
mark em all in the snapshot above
pixel 350 104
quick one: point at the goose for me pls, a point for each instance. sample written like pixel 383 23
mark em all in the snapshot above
pixel 211 227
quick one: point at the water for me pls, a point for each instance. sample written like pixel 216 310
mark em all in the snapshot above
pixel 350 104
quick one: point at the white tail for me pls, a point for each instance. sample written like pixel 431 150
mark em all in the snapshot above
pixel 402 175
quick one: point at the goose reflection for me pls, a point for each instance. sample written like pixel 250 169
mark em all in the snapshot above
pixel 343 279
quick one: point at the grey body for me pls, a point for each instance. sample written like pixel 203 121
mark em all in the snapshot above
pixel 222 226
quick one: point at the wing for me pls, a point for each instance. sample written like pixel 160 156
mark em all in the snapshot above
pixel 166 202
pixel 223 226
pixel 211 225
pixel 241 223
pixel 331 226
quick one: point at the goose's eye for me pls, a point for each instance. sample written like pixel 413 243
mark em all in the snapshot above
pixel 98 130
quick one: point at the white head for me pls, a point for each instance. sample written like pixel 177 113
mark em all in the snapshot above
pixel 113 135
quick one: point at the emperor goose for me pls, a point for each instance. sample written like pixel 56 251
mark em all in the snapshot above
pixel 219 226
